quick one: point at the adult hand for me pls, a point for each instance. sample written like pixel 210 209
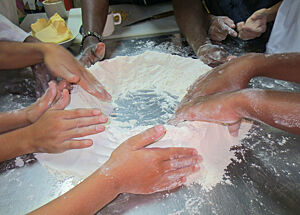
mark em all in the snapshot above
pixel 58 128
pixel 62 64
pixel 213 55
pixel 141 170
pixel 255 25
pixel 230 76
pixel 93 51
pixel 219 108
pixel 220 27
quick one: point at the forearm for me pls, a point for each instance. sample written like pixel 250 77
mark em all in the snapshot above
pixel 14 144
pixel 94 14
pixel 13 120
pixel 192 20
pixel 275 108
pixel 272 12
pixel 15 55
pixel 87 198
pixel 278 66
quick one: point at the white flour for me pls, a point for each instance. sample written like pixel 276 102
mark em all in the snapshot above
pixel 146 89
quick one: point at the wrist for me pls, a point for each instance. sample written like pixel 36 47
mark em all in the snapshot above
pixel 28 139
pixel 44 48
pixel 251 66
pixel 246 102
pixel 111 175
pixel 89 41
pixel 239 103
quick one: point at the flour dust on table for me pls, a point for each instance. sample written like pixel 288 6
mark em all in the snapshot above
pixel 146 89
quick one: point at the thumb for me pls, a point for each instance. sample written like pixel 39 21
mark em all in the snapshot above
pixel 99 50
pixel 50 94
pixel 147 137
pixel 47 99
pixel 234 128
pixel 63 101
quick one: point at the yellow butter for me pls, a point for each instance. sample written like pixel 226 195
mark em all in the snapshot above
pixel 54 31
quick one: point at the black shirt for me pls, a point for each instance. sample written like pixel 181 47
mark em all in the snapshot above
pixel 237 10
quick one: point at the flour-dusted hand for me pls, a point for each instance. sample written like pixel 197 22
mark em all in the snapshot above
pixel 34 111
pixel 220 27
pixel 213 55
pixel 233 75
pixel 220 108
pixel 56 129
pixel 92 52
pixel 62 64
pixel 255 25
pixel 141 170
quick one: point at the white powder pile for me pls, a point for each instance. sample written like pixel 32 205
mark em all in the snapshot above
pixel 147 86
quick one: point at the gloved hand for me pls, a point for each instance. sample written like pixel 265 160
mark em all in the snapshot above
pixel 220 27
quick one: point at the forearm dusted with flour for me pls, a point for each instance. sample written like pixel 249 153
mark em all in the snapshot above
pixel 278 66
pixel 275 108
pixel 13 120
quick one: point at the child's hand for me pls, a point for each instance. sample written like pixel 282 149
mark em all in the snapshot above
pixel 53 93
pixel 56 129
pixel 141 170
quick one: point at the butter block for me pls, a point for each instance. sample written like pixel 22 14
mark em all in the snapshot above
pixel 54 31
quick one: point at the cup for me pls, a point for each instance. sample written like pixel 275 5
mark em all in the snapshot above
pixel 110 23
pixel 55 6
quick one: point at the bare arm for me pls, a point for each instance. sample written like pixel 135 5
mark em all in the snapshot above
pixel 14 55
pixel 54 129
pixel 94 14
pixel 237 73
pixel 275 108
pixel 193 21
pixel 278 109
pixel 199 27
pixel 272 12
pixel 59 61
pixel 279 66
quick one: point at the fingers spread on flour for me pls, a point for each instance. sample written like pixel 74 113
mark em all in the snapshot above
pixel 147 137
pixel 86 121
pixel 76 144
pixel 183 172
pixel 81 112
pixel 84 131
pixel 170 184
pixel 177 152
pixel 180 163
pixel 63 101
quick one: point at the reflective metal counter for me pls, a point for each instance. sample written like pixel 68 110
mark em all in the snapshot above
pixel 264 179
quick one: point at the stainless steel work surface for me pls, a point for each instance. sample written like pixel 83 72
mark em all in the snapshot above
pixel 264 178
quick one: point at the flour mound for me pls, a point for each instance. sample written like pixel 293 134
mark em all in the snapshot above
pixel 146 89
